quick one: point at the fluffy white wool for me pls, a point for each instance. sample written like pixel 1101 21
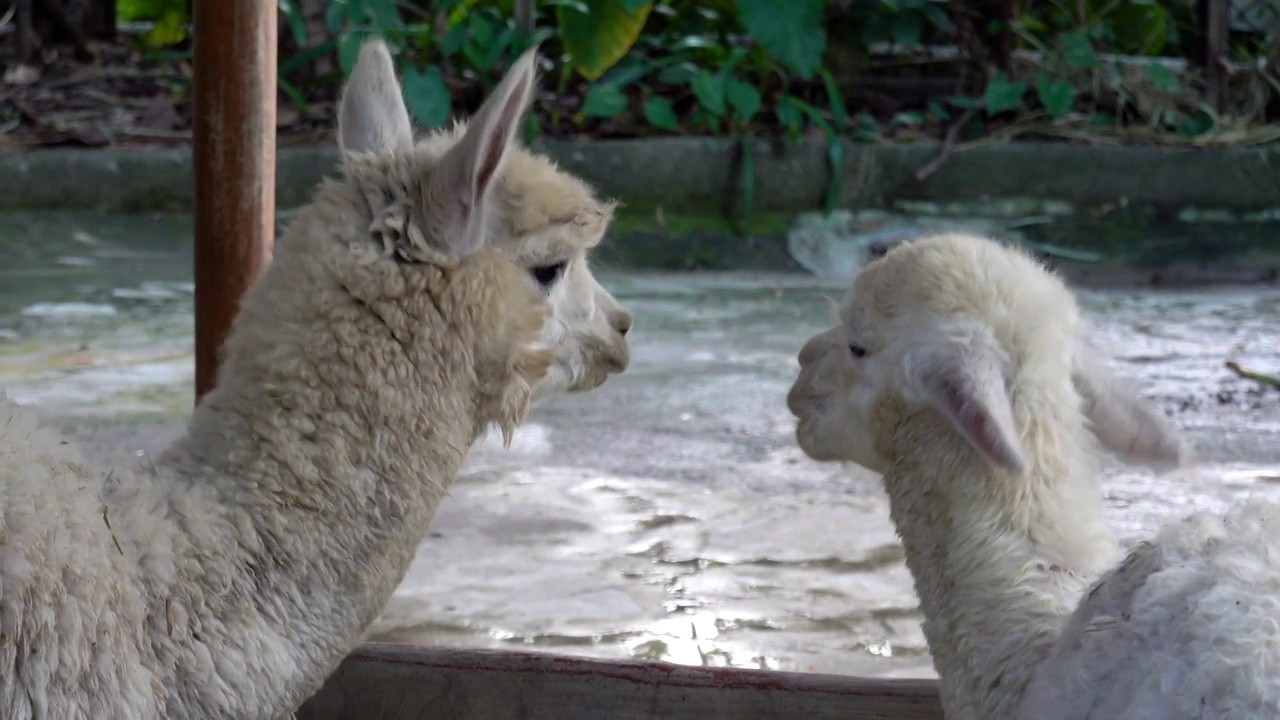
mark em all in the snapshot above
pixel 400 317
pixel 958 369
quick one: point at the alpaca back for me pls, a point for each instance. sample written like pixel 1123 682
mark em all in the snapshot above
pixel 70 612
pixel 1185 627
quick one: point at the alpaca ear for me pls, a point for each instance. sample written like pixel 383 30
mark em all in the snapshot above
pixel 372 117
pixel 963 379
pixel 461 182
pixel 1123 422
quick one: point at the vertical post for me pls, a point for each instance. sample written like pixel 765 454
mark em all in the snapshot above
pixel 234 158
pixel 1213 33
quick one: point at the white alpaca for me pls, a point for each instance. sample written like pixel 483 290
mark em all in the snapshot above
pixel 410 306
pixel 957 370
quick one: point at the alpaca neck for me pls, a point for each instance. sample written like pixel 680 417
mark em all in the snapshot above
pixel 998 562
pixel 291 511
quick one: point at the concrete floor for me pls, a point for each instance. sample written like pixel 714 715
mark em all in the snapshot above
pixel 668 514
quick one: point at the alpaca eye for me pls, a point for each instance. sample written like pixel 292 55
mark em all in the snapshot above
pixel 546 275
pixel 857 351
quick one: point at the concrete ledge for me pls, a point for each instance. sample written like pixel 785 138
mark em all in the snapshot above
pixel 1162 215
pixel 700 175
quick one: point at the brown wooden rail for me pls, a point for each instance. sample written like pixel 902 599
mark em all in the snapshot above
pixel 403 682
pixel 234 161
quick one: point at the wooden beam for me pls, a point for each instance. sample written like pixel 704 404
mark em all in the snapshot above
pixel 234 158
pixel 1210 49
pixel 403 682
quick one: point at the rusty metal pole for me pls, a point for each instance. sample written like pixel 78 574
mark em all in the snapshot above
pixel 234 158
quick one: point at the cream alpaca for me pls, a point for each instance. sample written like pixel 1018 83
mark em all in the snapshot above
pixel 230 578
pixel 957 370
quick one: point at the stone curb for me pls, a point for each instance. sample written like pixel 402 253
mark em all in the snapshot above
pixel 698 175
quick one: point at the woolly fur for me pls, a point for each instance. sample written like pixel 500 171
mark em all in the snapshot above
pixel 958 369
pixel 230 577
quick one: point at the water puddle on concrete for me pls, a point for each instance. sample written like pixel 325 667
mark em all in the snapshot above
pixel 668 514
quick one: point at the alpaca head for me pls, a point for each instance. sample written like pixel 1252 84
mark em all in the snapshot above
pixel 973 331
pixel 473 186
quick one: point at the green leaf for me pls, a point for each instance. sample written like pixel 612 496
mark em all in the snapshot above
pixel 453 40
pixel 744 98
pixel 334 16
pixel 937 16
pixel 1077 50
pixel 1032 24
pixel 835 150
pixel 597 39
pixel 1002 95
pixel 293 16
pixel 604 101
pixel 908 29
pixel 709 89
pixel 1056 95
pixel 479 47
pixel 349 49
pixel 483 28
pixel 791 31
pixel 789 114
pixel 1203 121
pixel 937 110
pixel 305 56
pixel 627 71
pixel 497 46
pixel 836 98
pixel 294 94
pixel 678 74
pixel 964 101
pixel 865 127
pixel 382 14
pixel 169 29
pixel 1163 77
pixel 701 118
pixel 426 96
pixel 149 10
pixel 659 113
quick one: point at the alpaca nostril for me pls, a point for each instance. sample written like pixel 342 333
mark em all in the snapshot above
pixel 622 323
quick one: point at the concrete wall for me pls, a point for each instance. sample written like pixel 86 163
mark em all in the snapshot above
pixel 700 175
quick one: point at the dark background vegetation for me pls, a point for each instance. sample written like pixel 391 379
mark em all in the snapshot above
pixel 117 72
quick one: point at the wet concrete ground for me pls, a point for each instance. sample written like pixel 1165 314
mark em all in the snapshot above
pixel 668 514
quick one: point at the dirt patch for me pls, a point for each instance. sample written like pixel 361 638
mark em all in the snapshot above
pixel 121 98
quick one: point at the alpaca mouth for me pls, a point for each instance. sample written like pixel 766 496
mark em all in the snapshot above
pixel 592 379
pixel 804 435
pixel 804 404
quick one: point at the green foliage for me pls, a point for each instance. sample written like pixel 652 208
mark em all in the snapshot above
pixel 743 98
pixel 426 96
pixel 757 66
pixel 603 101
pixel 169 18
pixel 659 113
pixel 901 22
pixel 791 32
pixel 1078 50
pixel 597 33
pixel 1163 77
pixel 1002 94
pixel 1055 94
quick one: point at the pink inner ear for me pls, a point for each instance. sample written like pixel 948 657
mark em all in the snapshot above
pixel 979 426
pixel 494 150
